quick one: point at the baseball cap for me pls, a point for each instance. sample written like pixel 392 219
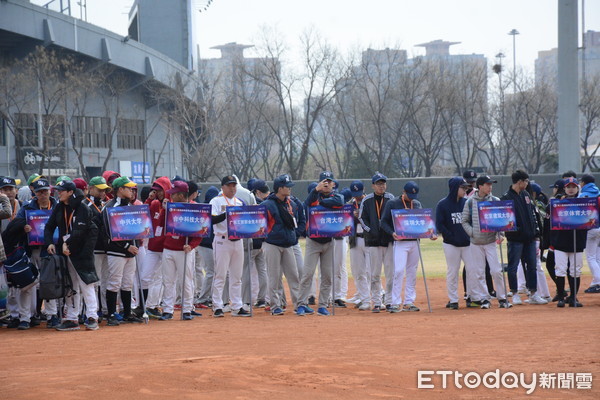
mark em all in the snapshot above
pixel 470 176
pixel 227 180
pixel 67 185
pixel 260 185
pixel 40 184
pixel 80 183
pixel 250 184
pixel 559 184
pixel 99 182
pixel 483 179
pixel 122 181
pixel 411 189
pixel 179 187
pixel 177 178
pixel 587 178
pixel 281 181
pixel 110 176
pixel 63 178
pixel 325 175
pixel 8 181
pixel 570 181
pixel 34 177
pixel 357 188
pixel 347 193
pixel 378 177
pixel 536 188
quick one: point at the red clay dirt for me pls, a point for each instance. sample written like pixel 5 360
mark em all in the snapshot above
pixel 352 355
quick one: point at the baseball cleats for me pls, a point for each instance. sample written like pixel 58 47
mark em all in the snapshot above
pixel 394 309
pixel 153 313
pixel 68 326
pixel 376 309
pixel 308 310
pixel 278 311
pixel 260 304
pixel 132 319
pixel 536 299
pixel 323 311
pixel 504 304
pixel 593 289
pixel 113 320
pixel 560 303
pixel 300 311
pixel 187 316
pixel 23 326
pixel 195 313
pixel 410 307
pixel 339 303
pixel 485 305
pixel 452 306
pixel 53 322
pixel 241 313
pixel 91 324
pixel 166 316
pixel 218 313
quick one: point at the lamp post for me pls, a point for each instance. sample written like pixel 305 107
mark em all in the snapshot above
pixel 514 33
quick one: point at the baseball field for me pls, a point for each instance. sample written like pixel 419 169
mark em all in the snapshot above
pixel 533 351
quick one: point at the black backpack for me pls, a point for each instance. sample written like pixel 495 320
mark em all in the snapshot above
pixel 55 281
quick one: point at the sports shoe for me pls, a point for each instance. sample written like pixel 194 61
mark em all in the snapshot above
pixel 311 301
pixel 376 309
pixel 485 305
pixel 300 311
pixel 452 306
pixel 509 294
pixel 132 319
pixel 4 314
pixel 575 303
pixel 473 304
pixel 364 307
pixel 279 311
pixel 53 322
pixel 153 313
pixel 187 316
pixel 410 307
pixel 113 320
pixel 68 326
pixel 504 304
pixel 91 324
pixel 23 326
pixel 387 307
pixel 241 313
pixel 13 323
pixel 227 308
pixel 516 300
pixel 394 309
pixel 204 305
pixel 339 303
pixel 218 313
pixel 322 311
pixel 308 310
pixel 138 311
pixel 547 298
pixel 166 316
pixel 560 303
pixel 536 299
pixel 119 316
pixel 260 304
pixel 35 321
pixel 593 289
pixel 195 313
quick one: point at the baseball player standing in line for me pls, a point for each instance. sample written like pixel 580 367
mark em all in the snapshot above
pixel 120 254
pixel 319 250
pixel 377 241
pixel 229 254
pixel 175 248
pixel 279 253
pixel 359 254
pixel 448 222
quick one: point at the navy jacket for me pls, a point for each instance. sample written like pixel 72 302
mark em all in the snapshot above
pixel 14 234
pixel 448 216
pixel 527 227
pixel 387 222
pixel 280 234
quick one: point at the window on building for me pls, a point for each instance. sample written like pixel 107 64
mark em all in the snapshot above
pixel 92 132
pixel 131 134
pixel 26 130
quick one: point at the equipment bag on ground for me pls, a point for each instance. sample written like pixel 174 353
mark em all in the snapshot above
pixel 55 281
pixel 20 271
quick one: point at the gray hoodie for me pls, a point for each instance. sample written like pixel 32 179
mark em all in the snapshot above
pixel 470 220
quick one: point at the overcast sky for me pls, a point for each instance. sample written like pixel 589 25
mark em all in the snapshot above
pixel 480 25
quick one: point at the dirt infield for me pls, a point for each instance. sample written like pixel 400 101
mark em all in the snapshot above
pixel 354 355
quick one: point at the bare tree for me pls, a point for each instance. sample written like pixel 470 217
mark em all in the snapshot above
pixel 590 111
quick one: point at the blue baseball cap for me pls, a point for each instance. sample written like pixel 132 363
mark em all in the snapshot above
pixel 347 194
pixel 536 188
pixel 357 188
pixel 378 177
pixel 411 189
pixel 326 175
pixel 282 181
pixel 250 184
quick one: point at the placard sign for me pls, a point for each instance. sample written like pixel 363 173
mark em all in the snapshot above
pixel 414 224
pixel 246 222
pixel 328 222
pixel 497 216
pixel 130 222
pixel 188 219
pixel 37 220
pixel 569 214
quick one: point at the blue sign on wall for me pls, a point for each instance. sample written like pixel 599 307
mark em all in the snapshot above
pixel 140 171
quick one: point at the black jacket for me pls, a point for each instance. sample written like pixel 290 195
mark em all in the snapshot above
pixel 370 220
pixel 96 206
pixel 14 235
pixel 527 229
pixel 113 248
pixel 82 232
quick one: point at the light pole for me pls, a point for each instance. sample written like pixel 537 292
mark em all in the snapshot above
pixel 514 33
